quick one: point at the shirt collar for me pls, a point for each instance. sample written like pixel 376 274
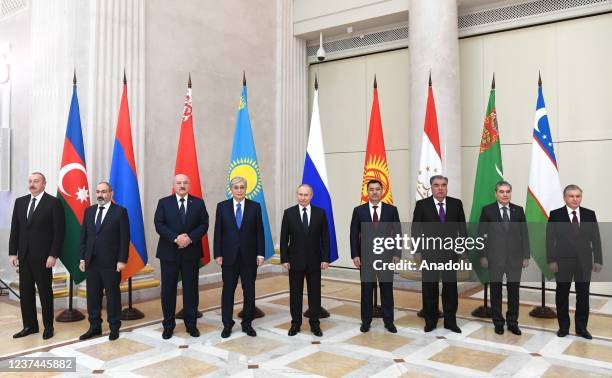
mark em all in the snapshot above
pixel 436 202
pixel 106 205
pixel 38 197
pixel 307 207
pixel 178 198
pixel 569 210
pixel 506 206
pixel 236 202
pixel 372 205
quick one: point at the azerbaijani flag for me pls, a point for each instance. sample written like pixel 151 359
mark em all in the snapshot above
pixel 124 181
pixel 73 191
pixel 315 173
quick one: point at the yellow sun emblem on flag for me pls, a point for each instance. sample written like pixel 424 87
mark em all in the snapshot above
pixel 247 168
pixel 376 169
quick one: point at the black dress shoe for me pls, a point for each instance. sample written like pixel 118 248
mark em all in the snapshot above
pixel 391 327
pixel 562 332
pixel 227 331
pixel 167 333
pixel 113 335
pixel 584 333
pixel 24 332
pixel 364 327
pixel 90 333
pixel 48 333
pixel 515 329
pixel 193 332
pixel 499 330
pixel 293 330
pixel 453 328
pixel 249 331
pixel 316 330
pixel 429 327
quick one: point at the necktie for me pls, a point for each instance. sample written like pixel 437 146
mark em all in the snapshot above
pixel 238 215
pixel 575 218
pixel 441 212
pixel 305 220
pixel 31 209
pixel 182 210
pixel 99 218
pixel 375 215
pixel 505 217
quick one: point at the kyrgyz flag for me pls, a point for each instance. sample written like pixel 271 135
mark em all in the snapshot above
pixel 431 154
pixel 375 166
pixel 488 173
pixel 73 191
pixel 187 161
pixel 544 193
pixel 124 180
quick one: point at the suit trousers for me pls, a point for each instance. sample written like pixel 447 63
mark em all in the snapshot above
pixel 230 274
pixel 296 294
pixel 188 270
pixel 31 273
pixel 431 291
pixel 367 301
pixel 570 269
pixel 513 277
pixel 98 279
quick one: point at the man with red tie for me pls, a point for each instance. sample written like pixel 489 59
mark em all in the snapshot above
pixel 573 250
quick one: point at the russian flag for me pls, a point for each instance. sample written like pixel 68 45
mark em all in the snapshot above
pixel 315 173
pixel 124 181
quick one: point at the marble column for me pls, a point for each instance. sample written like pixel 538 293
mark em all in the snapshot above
pixel 434 46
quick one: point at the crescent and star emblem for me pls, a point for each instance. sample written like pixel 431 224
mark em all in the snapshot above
pixel 82 193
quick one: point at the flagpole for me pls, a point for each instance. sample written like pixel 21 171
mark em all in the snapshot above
pixel 543 311
pixel 483 311
pixel 70 314
pixel 131 313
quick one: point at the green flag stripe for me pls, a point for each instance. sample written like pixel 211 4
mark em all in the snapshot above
pixel 72 242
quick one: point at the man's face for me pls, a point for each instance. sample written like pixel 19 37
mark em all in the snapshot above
pixel 304 195
pixel 181 185
pixel 239 191
pixel 503 194
pixel 374 192
pixel 573 198
pixel 103 194
pixel 439 189
pixel 36 184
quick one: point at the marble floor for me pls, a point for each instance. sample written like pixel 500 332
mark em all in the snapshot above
pixel 343 350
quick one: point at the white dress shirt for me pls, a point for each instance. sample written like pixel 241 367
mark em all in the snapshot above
pixel 307 212
pixel 436 202
pixel 501 210
pixel 38 198
pixel 378 210
pixel 570 211
pixel 104 212
pixel 178 201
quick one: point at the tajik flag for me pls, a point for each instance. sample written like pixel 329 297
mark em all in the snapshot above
pixel 375 166
pixel 431 154
pixel 544 193
pixel 73 191
pixel 315 173
pixel 488 172
pixel 187 161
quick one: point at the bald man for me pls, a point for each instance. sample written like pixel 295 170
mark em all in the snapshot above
pixel 180 220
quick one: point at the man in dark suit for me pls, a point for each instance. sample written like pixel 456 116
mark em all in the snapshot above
pixel 506 251
pixel 439 216
pixel 37 233
pixel 105 245
pixel 304 248
pixel 365 218
pixel 573 250
pixel 239 248
pixel 180 220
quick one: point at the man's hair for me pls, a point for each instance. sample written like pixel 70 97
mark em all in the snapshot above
pixel 237 180
pixel 501 183
pixel 110 188
pixel 437 177
pixel 306 186
pixel 571 187
pixel 41 175
pixel 374 182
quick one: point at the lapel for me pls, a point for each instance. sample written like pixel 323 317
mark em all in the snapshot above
pixel 41 204
pixel 190 208
pixel 233 214
pixel 366 216
pixel 565 216
pixel 298 213
pixel 434 208
pixel 109 214
pixel 497 213
pixel 177 211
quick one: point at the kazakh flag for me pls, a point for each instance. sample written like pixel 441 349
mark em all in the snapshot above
pixel 244 164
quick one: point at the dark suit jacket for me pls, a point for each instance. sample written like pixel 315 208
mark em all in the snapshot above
pixel 169 226
pixel 112 243
pixel 504 246
pixel 565 241
pixel 246 242
pixel 361 214
pixel 426 221
pixel 301 249
pixel 43 235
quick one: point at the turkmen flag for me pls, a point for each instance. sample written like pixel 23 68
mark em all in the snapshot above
pixel 544 193
pixel 488 172
pixel 73 191
pixel 244 164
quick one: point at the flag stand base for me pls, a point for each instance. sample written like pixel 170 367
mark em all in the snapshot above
pixel 322 314
pixel 257 313
pixel 70 315
pixel 544 312
pixel 179 315
pixel 421 314
pixel 131 313
pixel 482 312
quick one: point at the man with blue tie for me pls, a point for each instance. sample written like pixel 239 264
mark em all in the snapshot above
pixel 239 249
pixel 180 220
pixel 105 243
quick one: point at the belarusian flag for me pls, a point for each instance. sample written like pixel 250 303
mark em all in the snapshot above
pixel 544 193
pixel 73 191
pixel 488 172
pixel 375 166
pixel 187 161
pixel 431 154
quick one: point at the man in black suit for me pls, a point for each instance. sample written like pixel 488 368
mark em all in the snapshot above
pixel 573 250
pixel 506 251
pixel 304 248
pixel 439 216
pixel 37 233
pixel 105 245
pixel 365 218
pixel 180 220
pixel 239 248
